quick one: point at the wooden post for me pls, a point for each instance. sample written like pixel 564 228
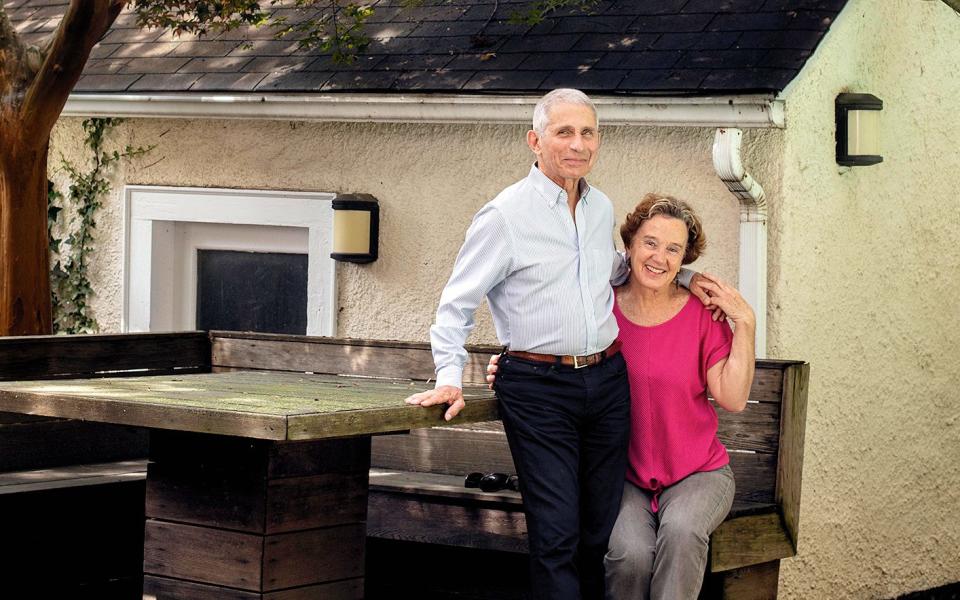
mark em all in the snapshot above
pixel 254 519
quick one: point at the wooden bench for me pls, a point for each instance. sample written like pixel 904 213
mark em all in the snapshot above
pixel 417 493
pixel 72 492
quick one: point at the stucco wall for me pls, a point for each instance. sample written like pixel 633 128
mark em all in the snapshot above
pixel 864 282
pixel 430 180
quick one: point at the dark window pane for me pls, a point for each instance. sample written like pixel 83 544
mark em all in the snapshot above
pixel 252 291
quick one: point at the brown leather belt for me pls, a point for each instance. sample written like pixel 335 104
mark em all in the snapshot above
pixel 577 362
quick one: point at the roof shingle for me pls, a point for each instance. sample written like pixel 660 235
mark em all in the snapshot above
pixel 681 47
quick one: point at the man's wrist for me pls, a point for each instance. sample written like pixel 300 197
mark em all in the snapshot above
pixel 685 276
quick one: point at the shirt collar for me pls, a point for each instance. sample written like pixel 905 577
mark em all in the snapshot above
pixel 550 191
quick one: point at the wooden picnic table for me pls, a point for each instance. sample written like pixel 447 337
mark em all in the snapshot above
pixel 257 483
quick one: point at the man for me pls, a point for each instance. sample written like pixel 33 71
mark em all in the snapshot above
pixel 542 253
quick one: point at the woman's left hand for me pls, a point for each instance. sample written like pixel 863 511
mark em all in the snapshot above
pixel 492 370
pixel 728 299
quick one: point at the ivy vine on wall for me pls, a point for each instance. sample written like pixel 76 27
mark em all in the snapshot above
pixel 71 221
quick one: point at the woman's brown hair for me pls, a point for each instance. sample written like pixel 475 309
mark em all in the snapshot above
pixel 652 205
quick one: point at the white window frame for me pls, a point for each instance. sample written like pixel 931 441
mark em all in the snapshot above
pixel 150 216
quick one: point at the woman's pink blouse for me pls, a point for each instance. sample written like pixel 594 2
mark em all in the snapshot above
pixel 673 424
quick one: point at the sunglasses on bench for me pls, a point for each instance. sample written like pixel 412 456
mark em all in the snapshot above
pixel 492 482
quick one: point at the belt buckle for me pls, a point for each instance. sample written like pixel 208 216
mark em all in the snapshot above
pixel 576 363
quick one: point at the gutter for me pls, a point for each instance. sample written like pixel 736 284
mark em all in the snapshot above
pixel 752 277
pixel 760 110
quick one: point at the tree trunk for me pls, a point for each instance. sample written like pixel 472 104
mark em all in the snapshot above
pixel 31 98
pixel 24 260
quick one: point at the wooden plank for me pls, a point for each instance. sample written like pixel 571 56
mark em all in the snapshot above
pixel 792 435
pixel 203 554
pixel 209 497
pixel 767 382
pixel 254 487
pixel 755 582
pixel 437 485
pixel 458 451
pixel 275 458
pixel 748 541
pixel 48 443
pixel 72 476
pixel 412 360
pixel 755 476
pixel 450 450
pixel 76 405
pixel 303 407
pixel 755 428
pixel 313 556
pixel 292 459
pixel 252 562
pixel 745 508
pixel 43 357
pixel 163 588
pixel 480 407
pixel 191 451
pixel 296 503
pixel 400 517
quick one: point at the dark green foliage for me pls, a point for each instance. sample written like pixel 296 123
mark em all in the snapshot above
pixel 69 256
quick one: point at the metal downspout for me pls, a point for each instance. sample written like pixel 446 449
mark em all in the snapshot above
pixel 753 226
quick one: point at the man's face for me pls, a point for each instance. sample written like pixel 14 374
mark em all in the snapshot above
pixel 569 147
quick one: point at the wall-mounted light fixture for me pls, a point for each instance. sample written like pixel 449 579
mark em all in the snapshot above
pixel 858 129
pixel 356 228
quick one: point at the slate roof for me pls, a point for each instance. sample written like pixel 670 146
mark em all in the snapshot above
pixel 637 47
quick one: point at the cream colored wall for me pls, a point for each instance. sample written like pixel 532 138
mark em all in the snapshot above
pixel 430 180
pixel 863 279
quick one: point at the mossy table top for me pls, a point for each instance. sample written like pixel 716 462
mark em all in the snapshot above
pixel 256 404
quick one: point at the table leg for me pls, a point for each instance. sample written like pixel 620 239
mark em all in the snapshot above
pixel 233 518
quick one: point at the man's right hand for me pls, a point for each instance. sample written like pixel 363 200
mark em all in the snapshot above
pixel 445 394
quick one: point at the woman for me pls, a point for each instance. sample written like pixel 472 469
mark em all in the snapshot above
pixel 679 483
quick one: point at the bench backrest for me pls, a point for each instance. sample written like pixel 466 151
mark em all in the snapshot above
pixel 82 356
pixel 28 442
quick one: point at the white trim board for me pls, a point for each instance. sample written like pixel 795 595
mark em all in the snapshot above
pixel 154 214
pixel 749 110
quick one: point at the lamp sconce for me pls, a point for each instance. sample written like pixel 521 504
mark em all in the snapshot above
pixel 356 228
pixel 858 129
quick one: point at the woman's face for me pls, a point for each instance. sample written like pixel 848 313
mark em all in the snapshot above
pixel 656 251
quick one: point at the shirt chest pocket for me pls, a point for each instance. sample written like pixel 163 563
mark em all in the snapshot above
pixel 600 266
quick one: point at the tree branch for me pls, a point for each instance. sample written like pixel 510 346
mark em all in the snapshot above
pixel 11 48
pixel 8 35
pixel 85 22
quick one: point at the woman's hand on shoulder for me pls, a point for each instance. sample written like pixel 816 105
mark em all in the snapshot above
pixel 726 298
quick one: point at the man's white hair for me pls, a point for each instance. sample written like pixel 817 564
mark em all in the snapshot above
pixel 541 112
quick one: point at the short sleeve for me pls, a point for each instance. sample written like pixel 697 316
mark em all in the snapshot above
pixel 716 338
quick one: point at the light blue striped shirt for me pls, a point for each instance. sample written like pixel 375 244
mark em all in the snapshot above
pixel 547 280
